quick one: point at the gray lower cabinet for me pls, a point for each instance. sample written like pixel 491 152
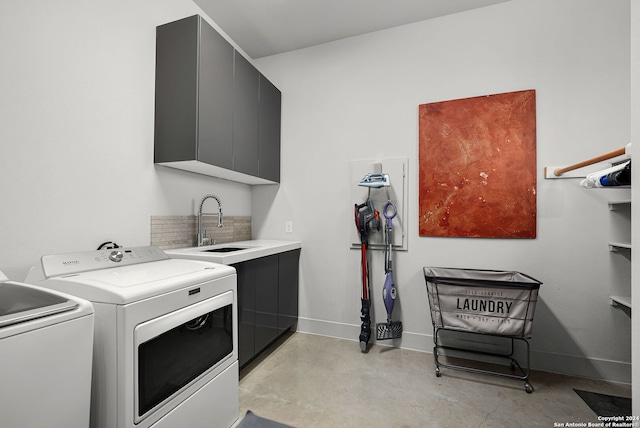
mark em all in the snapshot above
pixel 267 301
pixel 288 271
pixel 267 290
pixel 215 113
pixel 246 277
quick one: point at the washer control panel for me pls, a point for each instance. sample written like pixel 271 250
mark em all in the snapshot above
pixel 72 263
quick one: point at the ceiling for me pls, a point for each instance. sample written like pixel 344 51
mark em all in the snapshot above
pixel 268 27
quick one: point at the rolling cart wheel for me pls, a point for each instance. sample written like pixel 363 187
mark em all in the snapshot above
pixel 528 388
pixel 438 374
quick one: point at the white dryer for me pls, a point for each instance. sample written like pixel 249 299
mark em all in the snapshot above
pixel 166 336
pixel 46 341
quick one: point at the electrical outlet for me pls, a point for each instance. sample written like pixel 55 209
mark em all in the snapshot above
pixel 288 226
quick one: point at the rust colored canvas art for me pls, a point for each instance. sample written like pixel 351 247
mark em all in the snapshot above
pixel 478 167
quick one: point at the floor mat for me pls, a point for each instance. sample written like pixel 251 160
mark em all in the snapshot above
pixel 606 405
pixel 251 420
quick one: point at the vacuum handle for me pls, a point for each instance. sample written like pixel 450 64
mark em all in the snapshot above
pixel 385 212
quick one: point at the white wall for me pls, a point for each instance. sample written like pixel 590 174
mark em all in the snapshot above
pixel 76 133
pixel 358 99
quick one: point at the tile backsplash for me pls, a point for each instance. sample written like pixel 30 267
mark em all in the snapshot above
pixel 168 232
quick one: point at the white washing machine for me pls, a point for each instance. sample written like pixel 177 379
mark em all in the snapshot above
pixel 166 336
pixel 46 341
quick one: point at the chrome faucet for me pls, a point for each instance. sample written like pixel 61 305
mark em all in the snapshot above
pixel 202 237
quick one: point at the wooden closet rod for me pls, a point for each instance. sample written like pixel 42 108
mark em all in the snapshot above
pixel 559 171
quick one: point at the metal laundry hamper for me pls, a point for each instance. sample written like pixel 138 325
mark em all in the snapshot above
pixel 485 302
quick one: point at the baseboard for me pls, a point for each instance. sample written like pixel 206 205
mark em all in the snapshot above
pixel 572 365
pixel 412 341
pixel 575 365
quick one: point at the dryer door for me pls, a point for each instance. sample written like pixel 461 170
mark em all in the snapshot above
pixel 177 349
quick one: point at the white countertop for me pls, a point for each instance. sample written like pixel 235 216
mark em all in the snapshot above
pixel 250 250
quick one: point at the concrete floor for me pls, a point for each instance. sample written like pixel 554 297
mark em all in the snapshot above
pixel 315 381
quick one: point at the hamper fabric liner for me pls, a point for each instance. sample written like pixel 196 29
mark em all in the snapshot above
pixel 482 301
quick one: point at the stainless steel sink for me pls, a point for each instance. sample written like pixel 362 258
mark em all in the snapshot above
pixel 224 250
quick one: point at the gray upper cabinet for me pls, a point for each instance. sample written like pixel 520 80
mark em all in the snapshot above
pixel 210 116
pixel 269 130
pixel 215 87
pixel 245 116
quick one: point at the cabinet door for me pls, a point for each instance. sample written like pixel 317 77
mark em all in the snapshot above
pixel 246 274
pixel 245 116
pixel 288 268
pixel 176 90
pixel 266 301
pixel 215 98
pixel 269 130
pixel 194 94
